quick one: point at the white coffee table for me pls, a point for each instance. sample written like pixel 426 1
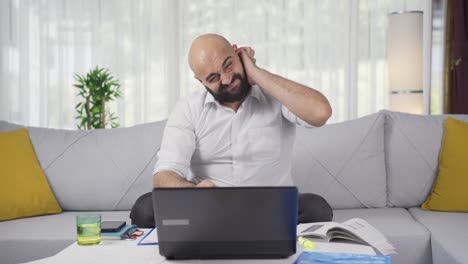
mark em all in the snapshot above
pixel 128 251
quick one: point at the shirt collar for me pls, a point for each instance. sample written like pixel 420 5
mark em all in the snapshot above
pixel 255 92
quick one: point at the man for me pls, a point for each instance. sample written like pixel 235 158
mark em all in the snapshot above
pixel 239 132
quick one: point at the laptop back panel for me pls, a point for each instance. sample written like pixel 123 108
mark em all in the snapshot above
pixel 221 223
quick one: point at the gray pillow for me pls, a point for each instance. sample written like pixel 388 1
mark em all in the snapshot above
pixel 412 145
pixel 103 169
pixel 343 162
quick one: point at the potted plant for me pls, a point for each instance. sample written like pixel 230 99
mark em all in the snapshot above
pixel 97 88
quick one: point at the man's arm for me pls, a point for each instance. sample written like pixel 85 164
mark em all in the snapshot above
pixel 305 102
pixel 164 179
pixel 177 147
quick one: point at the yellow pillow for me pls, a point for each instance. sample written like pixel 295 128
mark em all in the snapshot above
pixel 450 191
pixel 25 190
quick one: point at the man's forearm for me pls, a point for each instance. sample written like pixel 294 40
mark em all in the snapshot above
pixel 164 179
pixel 306 103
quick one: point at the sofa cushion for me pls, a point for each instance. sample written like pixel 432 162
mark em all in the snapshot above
pixel 410 239
pixel 107 169
pixel 340 162
pixel 449 234
pixel 26 191
pixel 43 236
pixel 449 192
pixel 412 144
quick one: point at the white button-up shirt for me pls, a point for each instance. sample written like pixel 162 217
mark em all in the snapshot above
pixel 251 147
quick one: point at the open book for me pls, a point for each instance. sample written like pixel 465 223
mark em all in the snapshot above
pixel 354 230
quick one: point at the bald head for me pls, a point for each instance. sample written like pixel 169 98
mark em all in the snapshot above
pixel 218 67
pixel 206 50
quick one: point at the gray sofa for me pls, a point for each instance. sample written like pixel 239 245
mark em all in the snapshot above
pixel 380 167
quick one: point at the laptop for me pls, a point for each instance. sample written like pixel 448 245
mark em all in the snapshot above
pixel 226 223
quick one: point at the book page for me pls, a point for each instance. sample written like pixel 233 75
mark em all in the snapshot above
pixel 318 230
pixel 355 230
pixel 337 233
pixel 366 232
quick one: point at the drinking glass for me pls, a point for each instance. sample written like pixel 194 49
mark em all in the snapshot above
pixel 88 229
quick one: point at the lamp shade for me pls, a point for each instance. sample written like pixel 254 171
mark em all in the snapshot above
pixel 405 61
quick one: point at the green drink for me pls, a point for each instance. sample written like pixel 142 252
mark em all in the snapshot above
pixel 88 229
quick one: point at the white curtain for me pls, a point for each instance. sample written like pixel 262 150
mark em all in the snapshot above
pixel 337 47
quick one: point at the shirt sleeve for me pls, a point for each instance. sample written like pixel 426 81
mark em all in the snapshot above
pixel 293 118
pixel 178 143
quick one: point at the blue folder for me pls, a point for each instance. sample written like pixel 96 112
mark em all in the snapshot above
pixel 341 258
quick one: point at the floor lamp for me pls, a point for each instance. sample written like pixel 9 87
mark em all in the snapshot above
pixel 405 61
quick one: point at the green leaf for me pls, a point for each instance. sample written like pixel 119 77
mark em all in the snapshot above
pixel 83 121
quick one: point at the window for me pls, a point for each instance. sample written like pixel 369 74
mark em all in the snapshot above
pixel 337 47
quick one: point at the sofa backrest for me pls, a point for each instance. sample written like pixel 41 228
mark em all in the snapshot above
pixel 383 159
pixel 412 145
pixel 102 169
pixel 343 162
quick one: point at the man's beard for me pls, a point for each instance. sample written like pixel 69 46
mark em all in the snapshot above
pixel 224 96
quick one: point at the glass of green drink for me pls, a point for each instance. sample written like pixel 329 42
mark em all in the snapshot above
pixel 88 229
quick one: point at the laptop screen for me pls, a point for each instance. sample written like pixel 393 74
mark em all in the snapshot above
pixel 258 222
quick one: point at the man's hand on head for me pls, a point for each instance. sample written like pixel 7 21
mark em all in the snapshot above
pixel 304 102
pixel 206 183
pixel 247 55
